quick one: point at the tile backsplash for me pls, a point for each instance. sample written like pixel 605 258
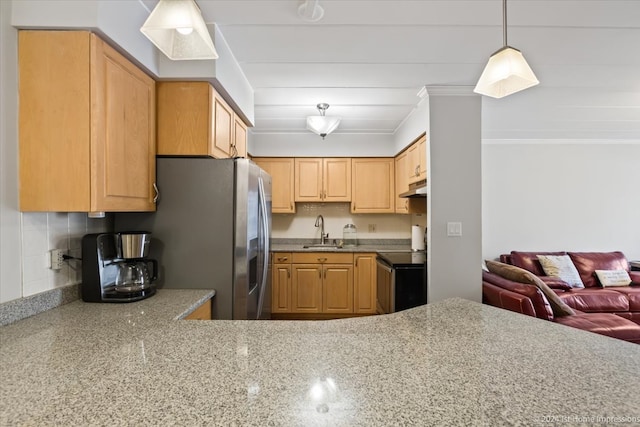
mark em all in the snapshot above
pixel 44 231
pixel 336 216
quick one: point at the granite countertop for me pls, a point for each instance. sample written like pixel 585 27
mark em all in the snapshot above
pixel 453 362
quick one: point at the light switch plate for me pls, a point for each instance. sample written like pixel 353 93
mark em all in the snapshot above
pixel 454 229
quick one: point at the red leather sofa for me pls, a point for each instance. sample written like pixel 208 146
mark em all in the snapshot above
pixel 623 301
pixel 612 311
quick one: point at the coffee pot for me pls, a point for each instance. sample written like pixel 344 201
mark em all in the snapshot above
pixel 115 267
pixel 133 276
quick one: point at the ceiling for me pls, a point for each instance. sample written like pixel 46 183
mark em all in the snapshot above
pixel 369 58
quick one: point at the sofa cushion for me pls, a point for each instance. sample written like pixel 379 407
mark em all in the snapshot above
pixel 588 262
pixel 562 267
pixel 596 300
pixel 633 295
pixel 608 278
pixel 529 260
pixel 523 276
pixel 604 324
pixel 540 304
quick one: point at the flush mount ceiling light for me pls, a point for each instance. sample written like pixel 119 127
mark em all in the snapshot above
pixel 322 125
pixel 507 71
pixel 177 28
pixel 310 11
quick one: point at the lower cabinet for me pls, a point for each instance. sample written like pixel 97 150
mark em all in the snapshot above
pixel 364 283
pixel 202 312
pixel 323 284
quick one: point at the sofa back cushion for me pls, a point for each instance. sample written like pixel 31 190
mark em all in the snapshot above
pixel 588 262
pixel 529 260
pixel 523 276
pixel 539 303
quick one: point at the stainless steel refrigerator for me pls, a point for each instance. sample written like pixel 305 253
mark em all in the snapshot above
pixel 212 230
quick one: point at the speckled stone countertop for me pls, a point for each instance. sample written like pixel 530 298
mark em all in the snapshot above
pixel 450 363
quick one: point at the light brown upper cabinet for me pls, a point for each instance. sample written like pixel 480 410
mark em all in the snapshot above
pixel 281 171
pixel 239 146
pixel 322 179
pixel 401 183
pixel 373 185
pixel 417 160
pixel 194 120
pixel 86 126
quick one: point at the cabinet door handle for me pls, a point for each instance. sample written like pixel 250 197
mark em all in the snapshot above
pixel 282 258
pixel 320 274
pixel 416 171
pixel 157 193
pixel 288 273
pixel 325 273
pixel 322 259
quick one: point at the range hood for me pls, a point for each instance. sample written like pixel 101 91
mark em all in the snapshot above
pixel 417 189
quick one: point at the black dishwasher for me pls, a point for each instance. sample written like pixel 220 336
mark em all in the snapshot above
pixel 401 280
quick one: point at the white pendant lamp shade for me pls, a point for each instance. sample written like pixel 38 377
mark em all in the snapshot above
pixel 506 72
pixel 322 125
pixel 177 28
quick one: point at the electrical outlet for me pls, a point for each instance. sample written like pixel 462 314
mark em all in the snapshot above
pixel 56 259
pixel 372 228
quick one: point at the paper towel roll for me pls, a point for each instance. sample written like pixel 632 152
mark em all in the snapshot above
pixel 417 238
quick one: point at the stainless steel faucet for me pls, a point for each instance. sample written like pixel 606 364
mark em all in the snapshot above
pixel 320 223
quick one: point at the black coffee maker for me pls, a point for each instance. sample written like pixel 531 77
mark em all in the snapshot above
pixel 115 267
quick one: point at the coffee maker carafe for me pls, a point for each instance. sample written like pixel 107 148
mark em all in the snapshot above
pixel 115 267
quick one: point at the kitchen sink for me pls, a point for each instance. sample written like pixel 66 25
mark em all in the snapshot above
pixel 321 246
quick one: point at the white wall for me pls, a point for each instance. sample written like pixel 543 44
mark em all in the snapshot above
pixel 10 242
pixel 336 215
pixel 579 195
pixel 454 180
pixel 25 239
pixel 311 145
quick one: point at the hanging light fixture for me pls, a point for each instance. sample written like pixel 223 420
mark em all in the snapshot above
pixel 311 11
pixel 177 28
pixel 322 125
pixel 507 71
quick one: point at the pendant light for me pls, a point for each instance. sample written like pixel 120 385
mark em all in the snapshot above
pixel 177 28
pixel 322 125
pixel 507 71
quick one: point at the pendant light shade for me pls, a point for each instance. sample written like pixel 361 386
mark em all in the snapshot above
pixel 177 28
pixel 507 71
pixel 322 125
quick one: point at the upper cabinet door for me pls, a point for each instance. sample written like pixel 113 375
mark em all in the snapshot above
pixel 336 179
pixel 86 126
pixel 239 147
pixel 373 185
pixel 308 180
pixel 417 160
pixel 282 182
pixel 401 182
pixel 223 126
pixel 123 133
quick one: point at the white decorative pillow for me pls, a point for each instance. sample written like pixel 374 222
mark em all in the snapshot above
pixel 562 267
pixel 613 277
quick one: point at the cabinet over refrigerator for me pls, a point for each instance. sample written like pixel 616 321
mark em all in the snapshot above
pixel 212 230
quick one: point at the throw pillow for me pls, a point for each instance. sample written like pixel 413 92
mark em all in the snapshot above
pixel 520 275
pixel 613 277
pixel 562 267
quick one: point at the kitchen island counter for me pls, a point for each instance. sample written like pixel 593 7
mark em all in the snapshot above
pixel 453 362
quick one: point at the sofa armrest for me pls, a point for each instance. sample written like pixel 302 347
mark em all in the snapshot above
pixel 541 305
pixel 635 278
pixel 502 298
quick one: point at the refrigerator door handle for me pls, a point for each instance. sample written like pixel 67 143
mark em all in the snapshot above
pixel 265 249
